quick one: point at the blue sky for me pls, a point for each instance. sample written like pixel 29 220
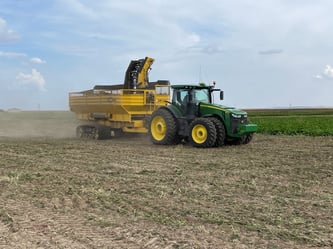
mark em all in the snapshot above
pixel 263 54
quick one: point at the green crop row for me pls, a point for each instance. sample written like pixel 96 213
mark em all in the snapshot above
pixel 290 112
pixel 296 125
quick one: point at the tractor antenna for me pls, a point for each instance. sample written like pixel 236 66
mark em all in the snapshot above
pixel 200 74
pixel 214 83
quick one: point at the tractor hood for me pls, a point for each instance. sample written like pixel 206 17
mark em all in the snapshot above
pixel 231 110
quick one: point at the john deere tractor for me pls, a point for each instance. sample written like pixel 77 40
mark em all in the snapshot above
pixel 192 117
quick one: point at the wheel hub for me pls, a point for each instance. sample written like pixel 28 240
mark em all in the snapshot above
pixel 199 133
pixel 158 128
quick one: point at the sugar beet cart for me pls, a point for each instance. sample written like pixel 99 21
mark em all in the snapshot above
pixel 107 110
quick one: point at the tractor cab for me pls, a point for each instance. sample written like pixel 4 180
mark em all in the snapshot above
pixel 188 97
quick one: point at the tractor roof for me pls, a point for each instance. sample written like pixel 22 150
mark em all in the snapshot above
pixel 199 86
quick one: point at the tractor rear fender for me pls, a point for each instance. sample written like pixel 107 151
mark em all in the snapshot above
pixel 174 111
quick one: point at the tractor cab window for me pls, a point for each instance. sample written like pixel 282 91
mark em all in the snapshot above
pixel 201 95
pixel 183 96
pixel 180 97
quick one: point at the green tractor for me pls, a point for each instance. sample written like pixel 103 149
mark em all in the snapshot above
pixel 192 117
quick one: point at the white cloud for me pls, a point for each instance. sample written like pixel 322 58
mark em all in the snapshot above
pixel 37 60
pixel 11 54
pixel 116 24
pixel 328 71
pixel 270 51
pixel 212 49
pixel 326 74
pixel 80 8
pixel 6 34
pixel 33 79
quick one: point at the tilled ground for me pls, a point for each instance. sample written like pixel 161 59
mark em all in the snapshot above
pixel 276 192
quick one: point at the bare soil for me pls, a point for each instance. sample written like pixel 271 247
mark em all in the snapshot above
pixel 60 192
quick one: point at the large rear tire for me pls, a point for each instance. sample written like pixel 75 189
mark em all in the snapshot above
pixel 93 132
pixel 102 132
pixel 80 131
pixel 163 127
pixel 202 133
pixel 85 132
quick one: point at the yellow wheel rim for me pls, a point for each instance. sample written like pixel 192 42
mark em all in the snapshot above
pixel 199 133
pixel 158 128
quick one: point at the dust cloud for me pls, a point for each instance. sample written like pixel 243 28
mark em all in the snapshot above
pixel 32 125
pixel 37 129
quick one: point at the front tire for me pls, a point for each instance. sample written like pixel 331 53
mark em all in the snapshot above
pixel 220 132
pixel 163 127
pixel 247 138
pixel 202 133
pixel 241 140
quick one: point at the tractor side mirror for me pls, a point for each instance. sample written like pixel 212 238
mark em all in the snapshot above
pixel 221 95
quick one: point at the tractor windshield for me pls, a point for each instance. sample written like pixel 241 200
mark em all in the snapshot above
pixel 201 95
pixel 183 96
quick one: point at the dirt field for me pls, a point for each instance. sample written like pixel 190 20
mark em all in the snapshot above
pixel 60 192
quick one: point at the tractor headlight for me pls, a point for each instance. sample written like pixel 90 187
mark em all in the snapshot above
pixel 236 120
pixel 236 115
pixel 239 115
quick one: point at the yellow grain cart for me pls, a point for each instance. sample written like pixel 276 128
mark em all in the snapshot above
pixel 110 109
